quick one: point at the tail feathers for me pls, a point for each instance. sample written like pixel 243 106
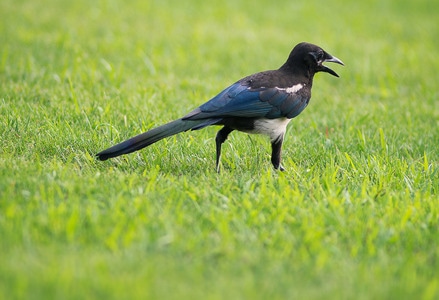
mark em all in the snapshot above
pixel 147 138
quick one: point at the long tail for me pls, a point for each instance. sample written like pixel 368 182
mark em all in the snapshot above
pixel 147 138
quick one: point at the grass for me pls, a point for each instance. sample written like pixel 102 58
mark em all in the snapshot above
pixel 355 216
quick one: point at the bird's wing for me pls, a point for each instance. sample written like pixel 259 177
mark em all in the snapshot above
pixel 240 100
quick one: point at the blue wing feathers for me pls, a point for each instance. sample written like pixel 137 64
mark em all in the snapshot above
pixel 278 98
pixel 224 98
pixel 238 100
pixel 294 108
pixel 267 94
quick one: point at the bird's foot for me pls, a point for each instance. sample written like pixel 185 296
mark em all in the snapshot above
pixel 279 167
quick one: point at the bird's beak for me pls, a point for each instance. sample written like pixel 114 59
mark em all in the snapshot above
pixel 330 58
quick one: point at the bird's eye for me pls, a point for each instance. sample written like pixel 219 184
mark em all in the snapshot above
pixel 318 56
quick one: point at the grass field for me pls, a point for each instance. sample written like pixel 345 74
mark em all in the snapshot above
pixel 355 216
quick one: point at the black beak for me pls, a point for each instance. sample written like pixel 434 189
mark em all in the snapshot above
pixel 330 58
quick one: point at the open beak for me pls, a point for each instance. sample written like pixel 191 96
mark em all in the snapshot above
pixel 330 58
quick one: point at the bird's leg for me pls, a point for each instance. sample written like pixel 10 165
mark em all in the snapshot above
pixel 276 150
pixel 221 136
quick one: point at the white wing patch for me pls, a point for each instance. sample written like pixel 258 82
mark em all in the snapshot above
pixel 293 89
pixel 290 90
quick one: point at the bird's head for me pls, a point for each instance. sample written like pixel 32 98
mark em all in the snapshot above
pixel 310 58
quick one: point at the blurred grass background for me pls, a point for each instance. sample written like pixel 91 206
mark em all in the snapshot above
pixel 355 215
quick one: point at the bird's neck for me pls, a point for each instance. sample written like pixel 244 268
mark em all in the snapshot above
pixel 302 75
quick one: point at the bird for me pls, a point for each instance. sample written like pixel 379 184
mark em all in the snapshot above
pixel 262 103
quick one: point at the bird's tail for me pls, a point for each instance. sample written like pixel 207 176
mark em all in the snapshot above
pixel 147 138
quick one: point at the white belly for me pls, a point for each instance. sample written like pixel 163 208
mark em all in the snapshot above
pixel 274 128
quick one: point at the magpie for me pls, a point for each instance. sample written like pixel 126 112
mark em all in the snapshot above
pixel 262 103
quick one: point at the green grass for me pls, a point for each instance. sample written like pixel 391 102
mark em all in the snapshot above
pixel 356 215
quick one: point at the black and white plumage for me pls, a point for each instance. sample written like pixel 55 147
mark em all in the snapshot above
pixel 262 103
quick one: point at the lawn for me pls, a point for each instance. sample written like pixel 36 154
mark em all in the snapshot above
pixel 355 215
